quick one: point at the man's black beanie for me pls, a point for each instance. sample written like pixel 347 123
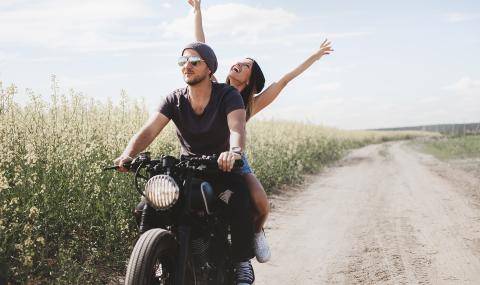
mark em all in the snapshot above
pixel 206 53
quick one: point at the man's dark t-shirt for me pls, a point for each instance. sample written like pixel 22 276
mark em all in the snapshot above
pixel 204 134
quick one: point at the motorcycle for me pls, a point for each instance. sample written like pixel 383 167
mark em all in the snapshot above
pixel 184 232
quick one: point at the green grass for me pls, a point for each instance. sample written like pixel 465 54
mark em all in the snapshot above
pixel 454 147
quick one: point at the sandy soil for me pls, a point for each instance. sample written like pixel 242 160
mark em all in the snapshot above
pixel 386 214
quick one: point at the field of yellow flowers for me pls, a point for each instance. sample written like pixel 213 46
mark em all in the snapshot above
pixel 63 220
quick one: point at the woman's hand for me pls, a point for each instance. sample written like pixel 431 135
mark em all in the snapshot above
pixel 325 48
pixel 195 4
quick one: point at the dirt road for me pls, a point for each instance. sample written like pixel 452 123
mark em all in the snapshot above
pixel 385 215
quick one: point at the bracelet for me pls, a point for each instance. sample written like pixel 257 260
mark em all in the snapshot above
pixel 237 150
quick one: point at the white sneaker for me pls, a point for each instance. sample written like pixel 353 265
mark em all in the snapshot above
pixel 261 248
pixel 244 274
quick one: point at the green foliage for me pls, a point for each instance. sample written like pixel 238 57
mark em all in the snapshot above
pixel 64 221
pixel 454 147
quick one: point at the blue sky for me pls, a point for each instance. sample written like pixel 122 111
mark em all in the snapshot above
pixel 396 63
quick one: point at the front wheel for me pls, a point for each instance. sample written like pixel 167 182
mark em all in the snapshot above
pixel 153 259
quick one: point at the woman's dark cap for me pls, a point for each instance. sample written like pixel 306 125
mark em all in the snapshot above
pixel 257 77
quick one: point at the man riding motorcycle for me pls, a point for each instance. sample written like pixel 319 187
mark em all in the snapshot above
pixel 210 120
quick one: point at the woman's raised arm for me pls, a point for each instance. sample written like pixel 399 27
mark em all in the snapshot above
pixel 264 99
pixel 199 34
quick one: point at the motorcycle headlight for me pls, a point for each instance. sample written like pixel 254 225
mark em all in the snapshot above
pixel 161 192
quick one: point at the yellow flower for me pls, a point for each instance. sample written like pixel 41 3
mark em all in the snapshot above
pixel 41 240
pixel 28 261
pixel 28 242
pixel 3 182
pixel 33 212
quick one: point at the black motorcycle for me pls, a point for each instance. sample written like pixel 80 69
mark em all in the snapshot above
pixel 185 237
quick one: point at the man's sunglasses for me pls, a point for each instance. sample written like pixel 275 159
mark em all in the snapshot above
pixel 194 60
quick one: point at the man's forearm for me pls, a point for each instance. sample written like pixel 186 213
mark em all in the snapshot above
pixel 138 143
pixel 237 139
pixel 236 125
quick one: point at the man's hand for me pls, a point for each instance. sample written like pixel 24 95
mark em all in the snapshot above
pixel 120 161
pixel 226 160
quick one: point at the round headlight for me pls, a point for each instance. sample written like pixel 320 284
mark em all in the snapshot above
pixel 161 192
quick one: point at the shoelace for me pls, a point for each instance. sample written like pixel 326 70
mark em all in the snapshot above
pixel 244 272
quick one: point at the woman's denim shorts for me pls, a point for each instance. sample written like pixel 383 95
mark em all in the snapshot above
pixel 246 167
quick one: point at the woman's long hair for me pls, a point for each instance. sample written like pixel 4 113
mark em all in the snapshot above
pixel 256 82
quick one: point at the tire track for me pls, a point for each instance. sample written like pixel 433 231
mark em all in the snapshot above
pixel 381 216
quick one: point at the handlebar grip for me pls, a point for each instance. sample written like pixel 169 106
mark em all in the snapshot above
pixel 238 163
pixel 126 165
pixel 115 167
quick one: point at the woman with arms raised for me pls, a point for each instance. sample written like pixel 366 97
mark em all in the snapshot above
pixel 247 77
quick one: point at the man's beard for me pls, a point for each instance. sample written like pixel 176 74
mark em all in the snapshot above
pixel 195 80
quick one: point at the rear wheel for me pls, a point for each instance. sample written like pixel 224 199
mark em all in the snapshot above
pixel 153 259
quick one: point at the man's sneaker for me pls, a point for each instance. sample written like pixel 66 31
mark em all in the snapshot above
pixel 244 273
pixel 260 245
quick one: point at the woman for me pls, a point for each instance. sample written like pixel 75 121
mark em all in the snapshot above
pixel 247 77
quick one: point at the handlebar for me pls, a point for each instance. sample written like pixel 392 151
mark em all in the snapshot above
pixel 185 162
pixel 196 164
pixel 210 161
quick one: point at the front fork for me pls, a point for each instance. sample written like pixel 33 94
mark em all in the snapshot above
pixel 183 242
pixel 147 216
pixel 183 250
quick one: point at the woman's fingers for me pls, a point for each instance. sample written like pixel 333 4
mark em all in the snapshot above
pixel 324 45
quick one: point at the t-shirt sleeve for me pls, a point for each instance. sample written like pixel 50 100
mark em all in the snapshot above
pixel 167 105
pixel 233 101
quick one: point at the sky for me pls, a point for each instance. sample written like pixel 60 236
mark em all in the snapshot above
pixel 396 63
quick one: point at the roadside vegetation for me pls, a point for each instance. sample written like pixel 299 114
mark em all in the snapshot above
pixel 65 221
pixel 464 147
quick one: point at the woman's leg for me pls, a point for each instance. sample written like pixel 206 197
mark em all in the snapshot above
pixel 259 199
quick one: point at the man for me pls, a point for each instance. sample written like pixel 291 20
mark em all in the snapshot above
pixel 209 119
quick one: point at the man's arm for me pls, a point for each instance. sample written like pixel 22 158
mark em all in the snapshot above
pixel 143 138
pixel 236 124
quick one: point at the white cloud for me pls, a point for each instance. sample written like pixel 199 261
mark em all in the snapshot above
pixel 461 17
pixel 8 3
pixel 166 5
pixel 326 67
pixel 465 85
pixel 7 56
pixel 238 21
pixel 75 25
pixel 326 87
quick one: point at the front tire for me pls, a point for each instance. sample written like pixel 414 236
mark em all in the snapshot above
pixel 153 259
